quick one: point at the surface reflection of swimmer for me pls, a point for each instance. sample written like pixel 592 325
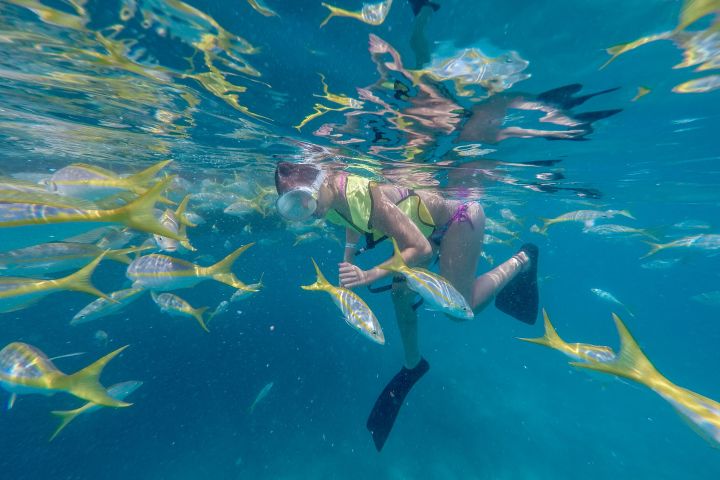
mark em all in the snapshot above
pixel 425 111
pixel 422 223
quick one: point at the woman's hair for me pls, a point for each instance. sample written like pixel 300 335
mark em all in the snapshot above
pixel 289 175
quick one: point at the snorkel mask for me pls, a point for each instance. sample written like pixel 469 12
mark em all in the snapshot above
pixel 299 203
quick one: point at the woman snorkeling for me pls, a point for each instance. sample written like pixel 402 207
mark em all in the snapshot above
pixel 422 223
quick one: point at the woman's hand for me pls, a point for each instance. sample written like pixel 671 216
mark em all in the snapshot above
pixel 352 276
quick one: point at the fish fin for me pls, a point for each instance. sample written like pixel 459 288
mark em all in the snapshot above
pixel 180 212
pixel 85 384
pixel 397 262
pixel 626 213
pixel 546 224
pixel 630 363
pixel 65 416
pixel 11 401
pixel 334 11
pixel 654 248
pixel 79 281
pixel 221 270
pixel 139 214
pixel 185 243
pixel 198 314
pixel 550 338
pixel 138 181
pixel 321 283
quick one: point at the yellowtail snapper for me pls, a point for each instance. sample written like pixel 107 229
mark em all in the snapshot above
pixel 22 209
pixel 164 273
pixel 57 257
pixel 577 351
pixel 17 293
pixel 26 370
pixel 434 289
pixel 177 307
pixel 103 307
pixel 93 183
pixel 701 413
pixel 355 311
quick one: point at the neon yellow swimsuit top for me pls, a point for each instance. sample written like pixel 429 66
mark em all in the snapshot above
pixel 357 194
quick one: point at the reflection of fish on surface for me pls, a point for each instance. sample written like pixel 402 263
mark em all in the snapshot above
pixel 701 413
pixel 371 13
pixel 471 66
pixel 26 370
pixel 17 293
pixel 176 306
pixel 577 351
pixel 103 307
pixel 355 311
pixel 119 391
pixel 261 396
pixel 700 48
pixel 163 273
pixel 263 10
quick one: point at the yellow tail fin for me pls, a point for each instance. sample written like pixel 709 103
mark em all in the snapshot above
pixel 550 338
pixel 66 416
pixel 198 314
pixel 546 224
pixel 85 384
pixel 221 270
pixel 397 262
pixel 654 248
pixel 80 280
pixel 630 363
pixel 321 283
pixel 139 214
pixel 138 181
pixel 334 12
pixel 180 213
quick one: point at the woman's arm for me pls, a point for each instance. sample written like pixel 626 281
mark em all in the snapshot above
pixel 352 236
pixel 389 219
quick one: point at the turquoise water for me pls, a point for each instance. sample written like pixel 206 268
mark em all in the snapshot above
pixel 218 88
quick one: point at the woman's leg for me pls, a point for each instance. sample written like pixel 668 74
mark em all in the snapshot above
pixel 459 256
pixel 402 298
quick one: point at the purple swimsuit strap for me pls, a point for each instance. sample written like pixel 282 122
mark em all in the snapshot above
pixel 461 215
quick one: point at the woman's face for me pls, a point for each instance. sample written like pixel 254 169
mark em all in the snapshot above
pixel 325 197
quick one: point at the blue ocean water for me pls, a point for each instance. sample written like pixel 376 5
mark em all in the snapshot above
pixel 218 88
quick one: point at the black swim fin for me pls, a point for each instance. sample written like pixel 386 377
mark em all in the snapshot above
pixel 387 406
pixel 520 298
